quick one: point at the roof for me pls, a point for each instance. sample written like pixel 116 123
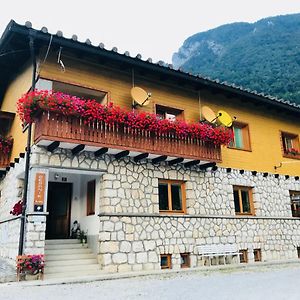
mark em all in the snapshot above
pixel 14 53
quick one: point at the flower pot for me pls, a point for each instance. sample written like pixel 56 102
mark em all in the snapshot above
pixel 32 277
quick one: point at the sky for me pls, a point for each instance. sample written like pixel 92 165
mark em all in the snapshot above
pixel 155 28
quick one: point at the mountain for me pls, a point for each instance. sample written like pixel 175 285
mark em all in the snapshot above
pixel 263 56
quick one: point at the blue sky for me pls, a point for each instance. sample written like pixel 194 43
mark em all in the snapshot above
pixel 155 28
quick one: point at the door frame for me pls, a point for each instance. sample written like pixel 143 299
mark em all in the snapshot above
pixel 70 184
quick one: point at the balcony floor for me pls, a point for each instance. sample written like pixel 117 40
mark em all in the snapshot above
pixel 114 151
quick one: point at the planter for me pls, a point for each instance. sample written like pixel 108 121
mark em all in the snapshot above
pixel 32 277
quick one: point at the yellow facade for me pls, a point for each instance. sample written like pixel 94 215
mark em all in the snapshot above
pixel 264 124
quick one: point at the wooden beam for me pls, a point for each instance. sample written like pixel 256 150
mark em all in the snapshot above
pixel 159 159
pixel 53 146
pixel 121 154
pixel 17 160
pixel 192 163
pixel 77 149
pixel 214 168
pixel 12 164
pixel 208 165
pixel 7 169
pixel 175 161
pixel 100 151
pixel 22 155
pixel 140 157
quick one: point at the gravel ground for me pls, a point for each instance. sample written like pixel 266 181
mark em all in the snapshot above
pixel 276 283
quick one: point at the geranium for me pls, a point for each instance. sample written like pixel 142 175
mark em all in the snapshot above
pixel 17 209
pixel 293 151
pixel 5 144
pixel 32 264
pixel 90 111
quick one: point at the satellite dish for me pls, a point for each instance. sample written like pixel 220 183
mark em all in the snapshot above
pixel 224 118
pixel 208 114
pixel 140 96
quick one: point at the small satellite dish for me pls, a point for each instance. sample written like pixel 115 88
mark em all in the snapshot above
pixel 224 118
pixel 140 96
pixel 208 114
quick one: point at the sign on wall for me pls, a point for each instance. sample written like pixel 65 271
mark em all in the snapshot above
pixel 39 191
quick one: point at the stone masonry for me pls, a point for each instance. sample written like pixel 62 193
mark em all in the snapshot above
pixel 133 234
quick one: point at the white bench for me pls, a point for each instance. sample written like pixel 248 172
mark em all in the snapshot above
pixel 217 250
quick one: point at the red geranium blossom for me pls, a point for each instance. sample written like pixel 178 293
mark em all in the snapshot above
pixel 90 111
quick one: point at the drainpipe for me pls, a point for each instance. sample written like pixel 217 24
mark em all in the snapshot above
pixel 28 150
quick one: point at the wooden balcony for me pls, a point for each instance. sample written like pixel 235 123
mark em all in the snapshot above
pixel 66 130
pixel 4 160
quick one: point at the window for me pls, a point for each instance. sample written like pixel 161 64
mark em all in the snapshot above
pixel 295 203
pixel 243 256
pixel 257 254
pixel 172 114
pixel 185 260
pixel 6 120
pixel 72 89
pixel 241 136
pixel 243 201
pixel 166 261
pixel 171 196
pixel 290 144
pixel 90 198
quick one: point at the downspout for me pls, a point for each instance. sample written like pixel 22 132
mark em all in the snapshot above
pixel 28 151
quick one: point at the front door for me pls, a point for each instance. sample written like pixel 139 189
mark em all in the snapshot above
pixel 59 207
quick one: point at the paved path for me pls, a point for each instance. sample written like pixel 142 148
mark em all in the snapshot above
pixel 276 283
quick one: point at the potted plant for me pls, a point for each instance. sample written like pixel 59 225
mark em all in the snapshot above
pixel 293 151
pixel 82 236
pixel 30 266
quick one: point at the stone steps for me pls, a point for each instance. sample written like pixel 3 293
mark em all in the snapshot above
pixel 69 258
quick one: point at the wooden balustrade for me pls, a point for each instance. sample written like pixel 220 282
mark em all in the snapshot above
pixel 56 127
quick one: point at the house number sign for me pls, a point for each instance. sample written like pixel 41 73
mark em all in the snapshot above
pixel 39 191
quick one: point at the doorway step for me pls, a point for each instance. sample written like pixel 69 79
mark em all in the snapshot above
pixel 69 258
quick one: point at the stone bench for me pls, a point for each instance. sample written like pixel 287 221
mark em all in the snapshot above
pixel 217 250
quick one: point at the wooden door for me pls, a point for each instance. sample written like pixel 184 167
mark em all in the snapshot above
pixel 59 208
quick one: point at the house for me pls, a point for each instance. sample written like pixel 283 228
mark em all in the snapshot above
pixel 146 196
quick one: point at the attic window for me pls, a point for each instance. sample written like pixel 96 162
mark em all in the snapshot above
pixel 72 89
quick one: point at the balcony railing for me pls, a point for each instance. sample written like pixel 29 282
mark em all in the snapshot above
pixel 71 129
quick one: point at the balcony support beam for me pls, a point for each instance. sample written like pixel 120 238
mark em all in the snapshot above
pixel 78 149
pixel 121 154
pixel 192 163
pixel 140 157
pixel 53 146
pixel 17 160
pixel 100 151
pixel 175 161
pixel 208 165
pixel 159 159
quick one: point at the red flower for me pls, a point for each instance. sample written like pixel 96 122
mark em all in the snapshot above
pixel 17 209
pixel 91 111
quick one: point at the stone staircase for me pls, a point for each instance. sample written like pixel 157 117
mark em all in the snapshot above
pixel 69 258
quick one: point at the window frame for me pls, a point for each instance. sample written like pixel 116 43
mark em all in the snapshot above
pixel 90 202
pixel 105 100
pixel 295 139
pixel 251 202
pixel 243 256
pixel 169 261
pixel 245 134
pixel 295 212
pixel 179 116
pixel 188 263
pixel 169 182
pixel 257 254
